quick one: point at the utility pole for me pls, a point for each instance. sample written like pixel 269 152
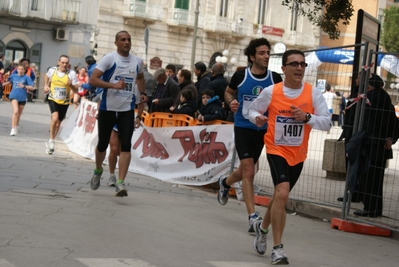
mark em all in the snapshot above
pixel 193 48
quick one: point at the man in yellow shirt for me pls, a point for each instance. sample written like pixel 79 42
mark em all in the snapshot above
pixel 58 83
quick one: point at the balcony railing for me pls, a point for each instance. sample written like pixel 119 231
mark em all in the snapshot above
pixel 182 17
pixel 12 7
pixel 299 38
pixel 140 9
pixel 66 10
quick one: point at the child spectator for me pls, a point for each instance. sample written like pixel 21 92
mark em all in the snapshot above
pixel 211 108
pixel 20 83
pixel 187 105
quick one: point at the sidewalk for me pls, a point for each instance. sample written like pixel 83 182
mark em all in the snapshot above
pixel 51 217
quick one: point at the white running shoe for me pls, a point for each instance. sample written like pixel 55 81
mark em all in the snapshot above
pixel 260 238
pixel 120 190
pixel 251 220
pixel 13 132
pixel 112 180
pixel 49 148
pixel 223 193
pixel 278 256
pixel 95 180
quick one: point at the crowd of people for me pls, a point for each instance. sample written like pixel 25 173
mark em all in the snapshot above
pixel 268 112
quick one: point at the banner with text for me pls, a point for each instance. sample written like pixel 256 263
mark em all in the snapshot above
pixel 195 155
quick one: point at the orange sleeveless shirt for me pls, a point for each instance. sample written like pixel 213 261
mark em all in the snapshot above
pixel 285 136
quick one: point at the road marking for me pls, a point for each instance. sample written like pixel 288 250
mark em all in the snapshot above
pixel 5 263
pixel 114 262
pixel 238 264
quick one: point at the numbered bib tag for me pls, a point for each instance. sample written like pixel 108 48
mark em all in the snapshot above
pixel 59 93
pixel 247 100
pixel 288 131
pixel 80 90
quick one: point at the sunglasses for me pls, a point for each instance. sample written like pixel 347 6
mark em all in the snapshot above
pixel 295 64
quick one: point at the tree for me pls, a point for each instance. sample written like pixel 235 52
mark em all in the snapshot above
pixel 390 35
pixel 325 14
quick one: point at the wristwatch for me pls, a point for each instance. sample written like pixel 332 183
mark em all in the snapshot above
pixel 308 117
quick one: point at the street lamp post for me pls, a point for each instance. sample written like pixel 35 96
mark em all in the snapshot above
pixel 224 60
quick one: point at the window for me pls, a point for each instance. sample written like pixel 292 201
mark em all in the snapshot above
pixel 261 11
pixel 182 4
pixel 294 16
pixel 224 4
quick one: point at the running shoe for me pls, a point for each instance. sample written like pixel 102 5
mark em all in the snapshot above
pixel 251 220
pixel 223 193
pixel 49 148
pixel 278 256
pixel 95 180
pixel 260 238
pixel 120 190
pixel 13 132
pixel 112 180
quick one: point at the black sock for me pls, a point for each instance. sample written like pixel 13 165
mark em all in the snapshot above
pixel 224 183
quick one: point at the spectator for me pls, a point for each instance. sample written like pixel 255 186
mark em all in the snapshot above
pixel 184 81
pixel 397 109
pixel 218 82
pixel 2 72
pixel 83 78
pixel 203 78
pixel 170 70
pixel 337 100
pixel 211 108
pixel 187 104
pixel 381 127
pixel 165 93
pixel 11 67
pixel 342 107
pixel 91 64
pixel 150 84
pixel 329 96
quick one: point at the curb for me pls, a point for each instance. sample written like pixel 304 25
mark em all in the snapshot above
pixel 359 228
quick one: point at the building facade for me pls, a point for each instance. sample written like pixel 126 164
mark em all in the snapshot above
pixel 42 30
pixel 222 25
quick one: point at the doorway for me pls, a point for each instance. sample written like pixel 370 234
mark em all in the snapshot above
pixel 14 50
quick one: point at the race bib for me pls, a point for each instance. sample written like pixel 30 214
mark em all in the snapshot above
pixel 288 131
pixel 80 90
pixel 247 100
pixel 59 93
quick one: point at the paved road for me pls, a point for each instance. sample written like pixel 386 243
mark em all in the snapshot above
pixel 50 217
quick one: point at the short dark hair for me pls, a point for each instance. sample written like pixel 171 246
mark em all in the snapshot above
pixel 90 60
pixel 250 50
pixel 186 74
pixel 289 53
pixel 209 92
pixel 116 35
pixel 24 59
pixel 171 67
pixel 187 94
pixel 63 56
pixel 200 66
